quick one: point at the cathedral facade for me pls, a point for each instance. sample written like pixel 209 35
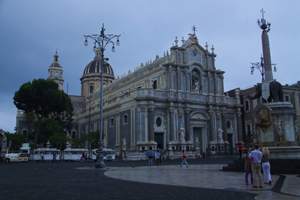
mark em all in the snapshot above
pixel 175 102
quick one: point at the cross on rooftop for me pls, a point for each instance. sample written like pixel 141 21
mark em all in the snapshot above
pixel 262 12
pixel 194 29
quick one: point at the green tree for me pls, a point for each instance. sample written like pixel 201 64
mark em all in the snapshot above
pixel 77 143
pixel 58 140
pixel 29 119
pixel 16 140
pixel 48 127
pixel 93 138
pixel 65 118
pixel 43 98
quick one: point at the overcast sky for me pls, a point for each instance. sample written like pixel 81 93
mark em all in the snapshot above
pixel 32 30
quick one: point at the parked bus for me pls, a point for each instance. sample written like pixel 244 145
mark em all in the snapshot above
pixel 74 154
pixel 109 154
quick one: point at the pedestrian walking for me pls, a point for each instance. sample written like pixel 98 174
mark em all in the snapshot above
pixel 256 168
pixel 157 157
pixel 54 157
pixel 150 155
pixel 82 158
pixel 184 160
pixel 248 166
pixel 266 166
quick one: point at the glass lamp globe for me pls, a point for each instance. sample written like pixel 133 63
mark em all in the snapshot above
pixel 118 42
pixel 113 49
pixel 94 49
pixel 86 42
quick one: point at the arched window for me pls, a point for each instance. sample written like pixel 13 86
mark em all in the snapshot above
pixel 154 84
pixel 83 129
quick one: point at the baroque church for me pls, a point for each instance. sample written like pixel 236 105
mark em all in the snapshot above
pixel 175 102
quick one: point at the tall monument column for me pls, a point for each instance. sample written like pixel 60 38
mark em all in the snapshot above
pixel 266 47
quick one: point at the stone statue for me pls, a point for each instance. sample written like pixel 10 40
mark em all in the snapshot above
pixel 196 87
pixel 182 133
pixel 276 92
pixel 124 142
pixel 220 134
pixel 197 142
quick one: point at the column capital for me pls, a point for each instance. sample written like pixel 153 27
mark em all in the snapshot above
pixel 151 108
pixel 239 114
pixel 171 110
pixel 224 113
pixel 187 110
pixel 143 108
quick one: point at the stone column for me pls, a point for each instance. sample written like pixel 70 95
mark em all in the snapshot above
pixel 211 125
pixel 171 110
pixel 150 123
pixel 224 126
pixel 188 84
pixel 178 86
pixel 187 125
pixel 267 56
pixel 170 78
pixel 117 124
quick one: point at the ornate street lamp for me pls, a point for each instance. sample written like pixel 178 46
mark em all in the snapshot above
pixel 260 67
pixel 101 40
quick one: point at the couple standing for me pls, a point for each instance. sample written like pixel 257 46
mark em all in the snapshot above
pixel 259 157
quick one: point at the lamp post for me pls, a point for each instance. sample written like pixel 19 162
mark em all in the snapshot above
pixel 261 68
pixel 101 40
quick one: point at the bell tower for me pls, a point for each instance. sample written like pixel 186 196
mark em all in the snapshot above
pixel 55 72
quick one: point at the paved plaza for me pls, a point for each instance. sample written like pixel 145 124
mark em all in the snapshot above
pixel 203 179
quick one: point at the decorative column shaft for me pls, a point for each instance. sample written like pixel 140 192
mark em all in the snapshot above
pixel 187 125
pixel 150 123
pixel 224 126
pixel 211 125
pixel 172 124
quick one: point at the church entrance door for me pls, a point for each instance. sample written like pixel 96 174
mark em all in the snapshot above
pixel 159 139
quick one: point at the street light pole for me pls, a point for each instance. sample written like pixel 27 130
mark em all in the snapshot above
pixel 102 40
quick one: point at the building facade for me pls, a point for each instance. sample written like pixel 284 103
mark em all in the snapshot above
pixel 175 102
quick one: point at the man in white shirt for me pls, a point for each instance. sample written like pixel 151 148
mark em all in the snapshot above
pixel 256 168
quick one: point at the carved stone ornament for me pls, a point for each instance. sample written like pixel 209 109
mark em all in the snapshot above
pixel 180 112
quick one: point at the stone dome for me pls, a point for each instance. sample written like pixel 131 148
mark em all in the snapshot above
pixel 95 67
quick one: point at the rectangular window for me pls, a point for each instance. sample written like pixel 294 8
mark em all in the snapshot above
pixel 247 105
pixel 91 89
pixel 91 127
pixel 249 129
pixel 287 98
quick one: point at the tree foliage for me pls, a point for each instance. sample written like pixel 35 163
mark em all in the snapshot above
pixel 16 140
pixel 77 143
pixel 48 127
pixel 93 138
pixel 58 140
pixel 43 98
